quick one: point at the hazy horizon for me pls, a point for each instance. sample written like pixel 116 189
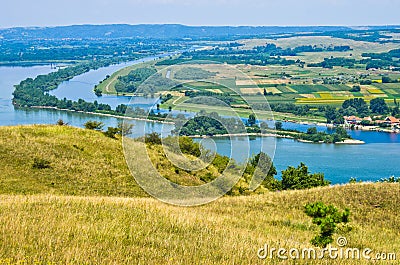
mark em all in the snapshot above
pixel 136 24
pixel 40 13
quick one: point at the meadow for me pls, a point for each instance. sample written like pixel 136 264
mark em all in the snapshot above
pixel 84 207
pixel 50 229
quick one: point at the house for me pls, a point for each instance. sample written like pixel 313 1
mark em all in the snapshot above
pixel 352 120
pixel 392 121
pixel 367 119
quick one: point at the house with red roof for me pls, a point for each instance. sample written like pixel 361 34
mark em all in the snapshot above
pixel 392 121
pixel 352 120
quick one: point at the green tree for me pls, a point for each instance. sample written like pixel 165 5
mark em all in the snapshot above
pixel 300 178
pixel 312 130
pixel 251 120
pixel 111 132
pixel 379 106
pixel 278 125
pixel 327 217
pixel 359 104
pixel 261 167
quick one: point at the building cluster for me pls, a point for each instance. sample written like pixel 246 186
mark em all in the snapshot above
pixel 389 121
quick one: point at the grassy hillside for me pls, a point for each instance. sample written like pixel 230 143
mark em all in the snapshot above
pixel 105 230
pixel 86 209
pixel 81 162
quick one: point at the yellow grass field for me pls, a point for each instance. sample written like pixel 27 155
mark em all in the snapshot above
pixel 375 91
pixel 50 229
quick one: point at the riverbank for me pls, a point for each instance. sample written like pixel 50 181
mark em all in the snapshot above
pixel 276 135
pixel 103 114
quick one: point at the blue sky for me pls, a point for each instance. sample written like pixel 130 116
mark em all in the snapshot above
pixel 206 12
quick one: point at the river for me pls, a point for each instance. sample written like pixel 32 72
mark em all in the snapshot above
pixel 377 159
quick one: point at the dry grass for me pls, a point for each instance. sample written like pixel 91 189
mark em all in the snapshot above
pixel 101 230
pixel 83 162
pixel 99 226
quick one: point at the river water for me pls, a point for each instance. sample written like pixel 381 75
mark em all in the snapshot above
pixel 377 159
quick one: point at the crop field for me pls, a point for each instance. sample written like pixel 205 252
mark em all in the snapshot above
pixel 306 89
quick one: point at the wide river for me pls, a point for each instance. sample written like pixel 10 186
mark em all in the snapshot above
pixel 378 158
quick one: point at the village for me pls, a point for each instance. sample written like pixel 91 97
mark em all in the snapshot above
pixel 376 123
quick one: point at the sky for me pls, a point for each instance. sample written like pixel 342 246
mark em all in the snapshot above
pixel 200 12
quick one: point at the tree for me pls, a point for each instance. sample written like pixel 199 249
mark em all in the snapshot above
pixel 342 132
pixel 261 167
pixel 330 114
pixel 357 103
pixel 395 111
pixel 386 79
pixel 265 92
pixel 111 132
pixel 327 217
pixel 312 130
pixel 124 128
pixel 300 178
pixel 252 120
pixel 356 88
pixel 278 125
pixel 379 106
pixel 60 122
pixel 98 92
pixel 94 125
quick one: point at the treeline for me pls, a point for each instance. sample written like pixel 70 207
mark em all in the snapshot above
pixel 208 97
pixel 313 135
pixel 82 49
pixel 34 92
pixel 268 54
pixel 386 60
pixel 358 107
pixel 301 110
pixel 129 83
pixel 261 55
pixel 337 61
pixel 209 124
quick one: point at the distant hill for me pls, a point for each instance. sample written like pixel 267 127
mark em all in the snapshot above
pixel 162 31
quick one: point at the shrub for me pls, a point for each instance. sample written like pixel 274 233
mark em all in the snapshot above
pixel 94 125
pixel 124 128
pixel 40 163
pixel 327 217
pixel 152 138
pixel 111 132
pixel 60 122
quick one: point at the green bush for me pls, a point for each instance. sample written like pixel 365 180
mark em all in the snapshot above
pixel 94 125
pixel 111 132
pixel 327 217
pixel 152 138
pixel 300 178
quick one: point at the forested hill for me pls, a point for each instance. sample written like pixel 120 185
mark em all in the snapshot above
pixel 161 31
